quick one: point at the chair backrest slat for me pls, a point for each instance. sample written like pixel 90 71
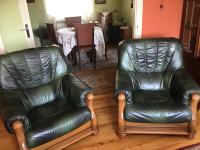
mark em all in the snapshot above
pixel 84 33
pixel 71 20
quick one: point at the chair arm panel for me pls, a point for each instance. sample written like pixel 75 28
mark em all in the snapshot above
pixel 11 114
pixel 123 84
pixel 182 86
pixel 76 89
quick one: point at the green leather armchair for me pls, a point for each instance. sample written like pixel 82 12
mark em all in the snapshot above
pixel 42 102
pixel 154 92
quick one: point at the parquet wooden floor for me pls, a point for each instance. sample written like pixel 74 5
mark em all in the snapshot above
pixel 107 118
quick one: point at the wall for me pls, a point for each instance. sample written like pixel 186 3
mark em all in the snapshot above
pixel 127 12
pixel 164 22
pixel 10 25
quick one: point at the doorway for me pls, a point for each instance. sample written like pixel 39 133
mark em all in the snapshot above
pixel 15 27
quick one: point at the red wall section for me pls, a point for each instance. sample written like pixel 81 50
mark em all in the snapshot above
pixel 165 22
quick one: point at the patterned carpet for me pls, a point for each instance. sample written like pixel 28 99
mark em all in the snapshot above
pixel 101 80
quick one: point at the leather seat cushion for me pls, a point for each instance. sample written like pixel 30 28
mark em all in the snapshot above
pixel 156 107
pixel 53 120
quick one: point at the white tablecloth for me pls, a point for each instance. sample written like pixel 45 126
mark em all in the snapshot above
pixel 66 37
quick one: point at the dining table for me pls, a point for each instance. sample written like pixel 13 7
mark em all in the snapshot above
pixel 67 37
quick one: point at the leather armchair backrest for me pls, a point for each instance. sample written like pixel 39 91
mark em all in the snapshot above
pixel 32 74
pixel 150 61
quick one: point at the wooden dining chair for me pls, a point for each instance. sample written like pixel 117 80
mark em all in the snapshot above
pixel 85 40
pixel 71 20
pixel 51 33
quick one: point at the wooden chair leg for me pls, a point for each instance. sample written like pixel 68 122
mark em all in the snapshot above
pixel 94 58
pixel 69 55
pixel 90 56
pixel 79 58
pixel 106 52
pixel 19 133
pixel 121 122
pixel 73 55
pixel 192 124
pixel 90 104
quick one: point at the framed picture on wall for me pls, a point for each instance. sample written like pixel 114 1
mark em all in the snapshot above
pixel 30 1
pixel 100 1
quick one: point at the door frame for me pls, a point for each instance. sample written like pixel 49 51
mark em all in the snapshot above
pixel 138 19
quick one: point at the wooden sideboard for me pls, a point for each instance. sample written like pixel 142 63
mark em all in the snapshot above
pixel 126 32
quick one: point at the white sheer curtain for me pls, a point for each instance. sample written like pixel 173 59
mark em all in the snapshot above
pixel 59 9
pixel 2 50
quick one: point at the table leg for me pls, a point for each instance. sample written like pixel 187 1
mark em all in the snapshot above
pixel 74 56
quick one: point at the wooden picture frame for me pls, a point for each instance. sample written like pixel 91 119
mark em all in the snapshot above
pixel 100 1
pixel 30 1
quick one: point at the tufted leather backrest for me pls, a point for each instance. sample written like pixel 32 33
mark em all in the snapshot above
pixel 150 61
pixel 150 55
pixel 31 74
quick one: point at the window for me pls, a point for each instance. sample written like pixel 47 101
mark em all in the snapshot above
pixel 67 8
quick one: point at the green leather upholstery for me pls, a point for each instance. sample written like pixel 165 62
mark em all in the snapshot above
pixel 58 117
pixel 37 88
pixel 152 76
pixel 156 107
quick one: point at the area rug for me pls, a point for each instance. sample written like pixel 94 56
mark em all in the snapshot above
pixel 101 80
pixel 191 147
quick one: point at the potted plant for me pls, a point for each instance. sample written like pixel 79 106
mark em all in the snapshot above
pixel 41 33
